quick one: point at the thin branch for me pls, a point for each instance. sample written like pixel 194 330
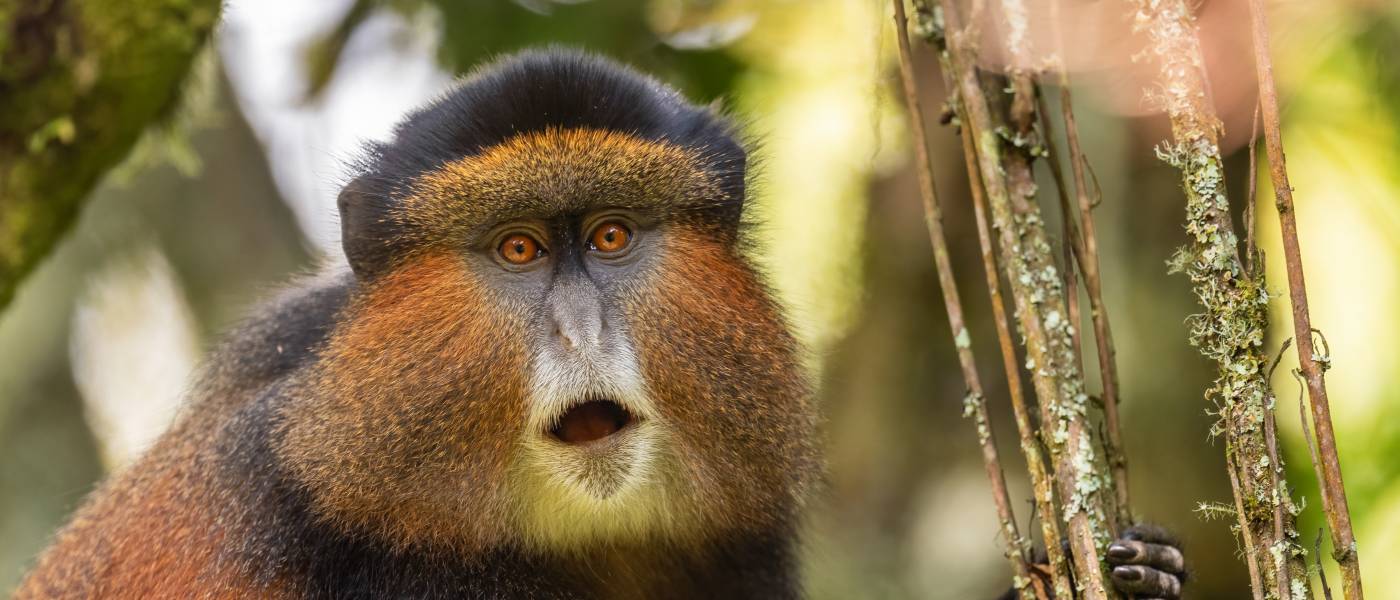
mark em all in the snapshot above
pixel 1334 499
pixel 1307 429
pixel 1321 573
pixel 1282 502
pixel 976 401
pixel 1285 583
pixel 1251 201
pixel 1093 283
pixel 1037 291
pixel 1251 559
pixel 1073 246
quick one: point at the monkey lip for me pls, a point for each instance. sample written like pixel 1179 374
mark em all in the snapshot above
pixel 591 421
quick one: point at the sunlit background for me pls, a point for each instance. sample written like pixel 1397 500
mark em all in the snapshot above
pixel 237 193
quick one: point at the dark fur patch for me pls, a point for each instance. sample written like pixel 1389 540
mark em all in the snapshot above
pixel 281 336
pixel 530 92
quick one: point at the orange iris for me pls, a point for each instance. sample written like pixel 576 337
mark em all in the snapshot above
pixel 611 237
pixel 519 249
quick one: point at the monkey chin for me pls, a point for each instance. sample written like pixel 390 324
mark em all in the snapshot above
pixel 599 473
pixel 597 448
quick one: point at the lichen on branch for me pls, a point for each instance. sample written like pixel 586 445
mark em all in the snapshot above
pixel 1231 329
pixel 1005 145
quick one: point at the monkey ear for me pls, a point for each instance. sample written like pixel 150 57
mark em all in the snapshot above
pixel 362 229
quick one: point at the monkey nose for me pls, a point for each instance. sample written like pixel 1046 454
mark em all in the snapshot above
pixel 577 315
pixel 577 331
pixel 568 338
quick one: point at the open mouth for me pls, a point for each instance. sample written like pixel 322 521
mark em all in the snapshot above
pixel 591 421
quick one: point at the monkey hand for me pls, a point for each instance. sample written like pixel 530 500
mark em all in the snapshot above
pixel 1147 563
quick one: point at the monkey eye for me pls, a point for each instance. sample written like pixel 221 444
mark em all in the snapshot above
pixel 519 249
pixel 610 237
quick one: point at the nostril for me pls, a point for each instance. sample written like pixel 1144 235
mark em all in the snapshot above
pixel 564 338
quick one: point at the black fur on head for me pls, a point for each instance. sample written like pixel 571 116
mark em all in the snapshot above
pixel 529 92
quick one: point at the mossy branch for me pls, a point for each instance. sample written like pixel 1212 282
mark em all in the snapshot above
pixel 1231 330
pixel 79 82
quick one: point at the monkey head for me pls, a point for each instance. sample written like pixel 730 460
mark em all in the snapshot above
pixel 555 339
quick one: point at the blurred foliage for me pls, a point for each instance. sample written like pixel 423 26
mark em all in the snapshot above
pixel 474 31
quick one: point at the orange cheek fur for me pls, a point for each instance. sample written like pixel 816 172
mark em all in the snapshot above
pixel 726 373
pixel 408 428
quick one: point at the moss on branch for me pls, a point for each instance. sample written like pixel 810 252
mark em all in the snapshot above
pixel 79 82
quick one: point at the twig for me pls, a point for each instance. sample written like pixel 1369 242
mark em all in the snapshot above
pixel 1334 499
pixel 1303 420
pixel 1321 573
pixel 1285 583
pixel 1093 283
pixel 1280 502
pixel 1073 245
pixel 976 401
pixel 1250 206
pixel 1251 559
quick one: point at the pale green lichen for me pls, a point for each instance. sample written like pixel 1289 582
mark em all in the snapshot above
pixel 975 407
pixel 1028 262
pixel 1053 363
pixel 962 340
pixel 1231 328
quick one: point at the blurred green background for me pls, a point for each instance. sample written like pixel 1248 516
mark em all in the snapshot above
pixel 217 207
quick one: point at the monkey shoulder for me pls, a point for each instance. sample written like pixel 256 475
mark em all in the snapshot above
pixel 279 337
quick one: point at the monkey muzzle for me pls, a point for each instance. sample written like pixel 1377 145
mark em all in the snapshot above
pixel 591 421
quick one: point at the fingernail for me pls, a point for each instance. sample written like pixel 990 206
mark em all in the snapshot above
pixel 1127 573
pixel 1121 551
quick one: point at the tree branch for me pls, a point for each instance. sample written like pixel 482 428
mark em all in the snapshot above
pixel 1231 331
pixel 79 82
pixel 1334 498
pixel 976 403
pixel 1037 289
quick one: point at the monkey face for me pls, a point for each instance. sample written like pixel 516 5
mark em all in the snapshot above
pixel 565 348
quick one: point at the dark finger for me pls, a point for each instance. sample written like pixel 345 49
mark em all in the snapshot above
pixel 1150 533
pixel 1145 581
pixel 1157 556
